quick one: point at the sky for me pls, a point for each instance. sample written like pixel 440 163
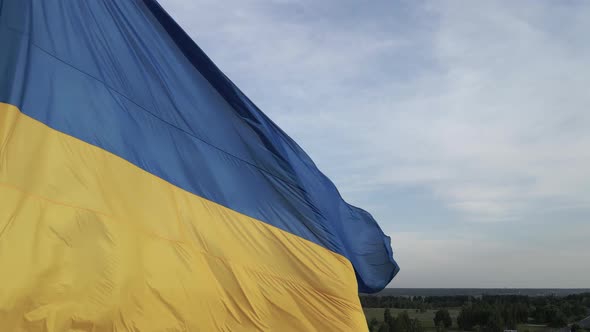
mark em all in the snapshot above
pixel 463 127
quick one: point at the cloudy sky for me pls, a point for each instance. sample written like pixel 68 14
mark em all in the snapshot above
pixel 462 126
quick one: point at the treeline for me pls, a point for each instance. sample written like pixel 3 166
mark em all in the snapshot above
pixel 491 312
pixel 568 303
pixel 415 302
pixel 538 307
pixel 494 312
pixel 548 309
pixel 401 323
pixel 492 317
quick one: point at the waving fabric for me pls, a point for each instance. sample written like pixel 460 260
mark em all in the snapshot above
pixel 140 190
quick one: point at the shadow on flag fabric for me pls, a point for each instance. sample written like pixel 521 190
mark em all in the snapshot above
pixel 140 190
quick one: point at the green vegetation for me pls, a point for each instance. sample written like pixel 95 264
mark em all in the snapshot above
pixel 442 319
pixel 425 318
pixel 400 322
pixel 481 314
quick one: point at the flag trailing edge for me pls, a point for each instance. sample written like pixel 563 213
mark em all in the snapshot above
pixel 138 185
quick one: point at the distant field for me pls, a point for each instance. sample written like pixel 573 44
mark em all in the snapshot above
pixel 426 318
pixel 480 291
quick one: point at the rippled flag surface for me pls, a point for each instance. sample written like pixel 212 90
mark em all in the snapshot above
pixel 140 190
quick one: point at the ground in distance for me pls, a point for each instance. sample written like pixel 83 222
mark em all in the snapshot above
pixel 426 318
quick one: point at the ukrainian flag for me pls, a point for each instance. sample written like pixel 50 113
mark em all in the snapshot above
pixel 140 190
